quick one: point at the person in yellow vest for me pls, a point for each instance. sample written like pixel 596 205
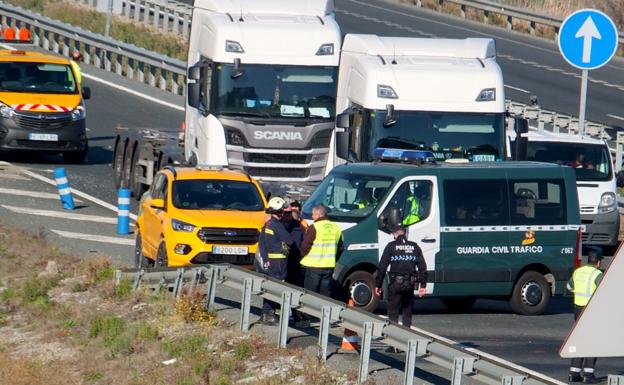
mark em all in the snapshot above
pixel 583 283
pixel 76 57
pixel 321 246
pixel 412 216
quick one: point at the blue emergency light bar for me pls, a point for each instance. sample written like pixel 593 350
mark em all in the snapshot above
pixel 404 156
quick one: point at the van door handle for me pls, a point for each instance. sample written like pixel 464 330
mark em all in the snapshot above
pixel 428 240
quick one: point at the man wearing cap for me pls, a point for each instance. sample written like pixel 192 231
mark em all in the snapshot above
pixel 275 242
pixel 583 283
pixel 406 266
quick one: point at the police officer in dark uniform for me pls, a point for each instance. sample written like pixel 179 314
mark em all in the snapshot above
pixel 275 245
pixel 407 270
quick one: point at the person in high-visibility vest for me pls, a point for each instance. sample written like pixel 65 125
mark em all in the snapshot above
pixel 321 246
pixel 583 283
pixel 275 242
pixel 412 216
pixel 76 57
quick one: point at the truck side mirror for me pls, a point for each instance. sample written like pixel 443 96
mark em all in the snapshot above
pixel 342 144
pixel 193 92
pixel 237 72
pixel 86 93
pixel 343 120
pixel 390 118
pixel 194 72
pixel 521 126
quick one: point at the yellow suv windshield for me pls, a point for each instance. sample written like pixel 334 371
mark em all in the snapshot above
pixel 45 78
pixel 202 194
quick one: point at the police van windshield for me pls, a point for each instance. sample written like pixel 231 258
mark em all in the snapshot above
pixel 44 78
pixel 349 197
pixel 475 136
pixel 589 161
pixel 274 91
pixel 202 194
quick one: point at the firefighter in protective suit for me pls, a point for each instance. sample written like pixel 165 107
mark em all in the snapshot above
pixel 407 269
pixel 275 242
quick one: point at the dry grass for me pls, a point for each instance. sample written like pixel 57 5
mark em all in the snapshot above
pixel 74 328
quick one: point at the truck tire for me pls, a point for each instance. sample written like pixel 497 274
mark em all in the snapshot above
pixel 140 260
pixel 127 165
pixel 161 255
pixel 360 286
pixel 459 304
pixel 137 187
pixel 76 157
pixel 118 160
pixel 531 294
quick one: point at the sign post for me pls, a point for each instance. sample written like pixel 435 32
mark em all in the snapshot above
pixel 588 39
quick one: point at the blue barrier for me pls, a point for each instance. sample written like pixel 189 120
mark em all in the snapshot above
pixel 123 213
pixel 60 176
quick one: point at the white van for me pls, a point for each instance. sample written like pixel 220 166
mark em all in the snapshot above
pixel 595 179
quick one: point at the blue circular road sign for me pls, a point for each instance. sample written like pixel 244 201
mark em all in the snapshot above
pixel 588 39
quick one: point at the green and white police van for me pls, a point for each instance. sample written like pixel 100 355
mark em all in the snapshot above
pixel 500 230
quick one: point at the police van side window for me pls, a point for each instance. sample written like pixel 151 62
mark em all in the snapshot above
pixel 476 202
pixel 413 199
pixel 538 202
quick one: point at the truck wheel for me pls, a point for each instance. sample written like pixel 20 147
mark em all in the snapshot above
pixel 161 255
pixel 459 304
pixel 127 166
pixel 137 187
pixel 140 260
pixel 76 157
pixel 360 286
pixel 531 294
pixel 118 160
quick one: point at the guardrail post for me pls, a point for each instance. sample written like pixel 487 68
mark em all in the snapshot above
pixel 185 26
pixel 282 335
pixel 177 288
pixel 117 278
pixel 118 64
pixel 130 68
pixel 126 8
pixel 462 11
pixel 513 380
pixel 146 10
pixel 151 76
pixel 55 43
pixel 619 142
pixel 175 25
pixel 532 28
pixel 486 17
pixel 365 352
pixel 509 22
pixel 615 380
pixel 137 279
pixel 324 332
pixel 211 288
pixel 415 348
pixel 46 40
pixel 156 19
pixel 137 11
pixel 458 367
pixel 245 304
pixel 163 79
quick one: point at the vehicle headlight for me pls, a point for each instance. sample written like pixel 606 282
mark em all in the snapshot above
pixel 177 225
pixel 6 111
pixel 79 113
pixel 608 203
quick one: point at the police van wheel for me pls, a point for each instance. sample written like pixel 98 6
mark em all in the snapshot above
pixel 360 286
pixel 459 304
pixel 531 294
pixel 161 255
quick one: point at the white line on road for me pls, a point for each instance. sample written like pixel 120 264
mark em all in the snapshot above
pixel 32 194
pixel 615 117
pixel 60 214
pixel 94 238
pixel 517 89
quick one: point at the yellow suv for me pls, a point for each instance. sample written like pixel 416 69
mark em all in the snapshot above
pixel 198 216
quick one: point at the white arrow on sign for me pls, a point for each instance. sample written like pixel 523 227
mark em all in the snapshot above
pixel 588 31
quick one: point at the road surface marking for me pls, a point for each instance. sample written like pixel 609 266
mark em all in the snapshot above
pixel 94 238
pixel 61 214
pixel 517 89
pixel 615 117
pixel 33 194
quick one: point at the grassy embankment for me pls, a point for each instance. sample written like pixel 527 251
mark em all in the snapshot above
pixel 74 327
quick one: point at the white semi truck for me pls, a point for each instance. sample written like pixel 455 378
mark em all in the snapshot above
pixel 441 95
pixel 261 95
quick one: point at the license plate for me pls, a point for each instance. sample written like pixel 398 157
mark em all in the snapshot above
pixel 230 250
pixel 483 158
pixel 45 137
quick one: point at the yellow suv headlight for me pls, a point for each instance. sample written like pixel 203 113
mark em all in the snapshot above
pixel 178 225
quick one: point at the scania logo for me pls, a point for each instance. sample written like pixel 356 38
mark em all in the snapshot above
pixel 230 233
pixel 277 135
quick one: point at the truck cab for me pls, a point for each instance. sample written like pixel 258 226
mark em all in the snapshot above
pixel 445 96
pixel 262 87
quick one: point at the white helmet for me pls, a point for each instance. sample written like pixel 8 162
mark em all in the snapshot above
pixel 276 205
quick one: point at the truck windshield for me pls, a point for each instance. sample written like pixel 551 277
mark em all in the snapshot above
pixel 475 136
pixel 349 197
pixel 202 194
pixel 275 91
pixel 590 161
pixel 44 78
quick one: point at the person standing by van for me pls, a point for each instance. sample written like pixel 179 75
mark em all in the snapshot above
pixel 583 284
pixel 321 246
pixel 407 270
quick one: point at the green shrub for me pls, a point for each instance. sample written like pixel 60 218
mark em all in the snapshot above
pixel 124 289
pixel 243 350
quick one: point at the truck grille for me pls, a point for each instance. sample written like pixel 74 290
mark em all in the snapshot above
pixel 276 158
pixel 595 238
pixel 226 236
pixel 42 121
pixel 588 209
pixel 278 172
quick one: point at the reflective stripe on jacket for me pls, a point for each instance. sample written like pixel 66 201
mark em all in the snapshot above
pixel 325 246
pixel 584 284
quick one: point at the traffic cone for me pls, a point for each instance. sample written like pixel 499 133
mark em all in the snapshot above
pixel 350 340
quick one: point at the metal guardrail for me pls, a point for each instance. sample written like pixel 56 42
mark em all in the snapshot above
pixel 124 59
pixel 462 362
